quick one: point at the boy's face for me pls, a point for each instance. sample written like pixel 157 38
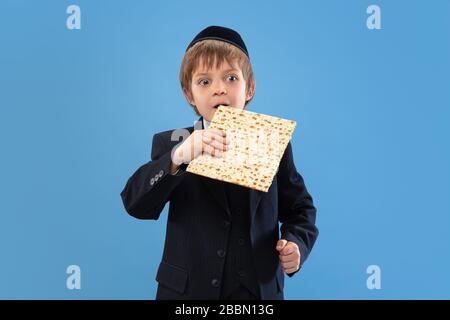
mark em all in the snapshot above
pixel 218 86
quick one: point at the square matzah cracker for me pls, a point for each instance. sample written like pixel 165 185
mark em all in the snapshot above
pixel 257 143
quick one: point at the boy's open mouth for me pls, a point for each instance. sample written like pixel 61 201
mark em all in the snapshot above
pixel 220 104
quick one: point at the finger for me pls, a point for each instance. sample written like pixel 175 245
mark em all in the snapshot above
pixel 216 144
pixel 207 149
pixel 216 135
pixel 289 265
pixel 209 136
pixel 289 249
pixel 211 150
pixel 288 258
pixel 290 270
pixel 281 244
pixel 218 132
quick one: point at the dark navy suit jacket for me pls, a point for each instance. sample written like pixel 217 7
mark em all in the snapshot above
pixel 198 222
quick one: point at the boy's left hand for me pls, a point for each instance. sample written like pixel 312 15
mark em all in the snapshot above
pixel 289 255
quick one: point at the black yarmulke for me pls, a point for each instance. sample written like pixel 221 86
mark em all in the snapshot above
pixel 221 34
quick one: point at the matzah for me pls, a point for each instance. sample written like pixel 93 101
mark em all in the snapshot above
pixel 257 143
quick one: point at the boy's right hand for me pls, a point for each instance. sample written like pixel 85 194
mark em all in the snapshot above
pixel 211 141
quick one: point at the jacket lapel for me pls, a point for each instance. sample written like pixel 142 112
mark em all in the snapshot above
pixel 254 198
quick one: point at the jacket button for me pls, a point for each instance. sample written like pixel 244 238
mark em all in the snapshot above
pixel 241 241
pixel 215 282
pixel 152 181
pixel 226 224
pixel 156 178
pixel 241 273
pixel 239 211
pixel 221 253
pixel 161 173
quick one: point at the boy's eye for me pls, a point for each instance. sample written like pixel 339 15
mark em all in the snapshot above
pixel 203 82
pixel 232 78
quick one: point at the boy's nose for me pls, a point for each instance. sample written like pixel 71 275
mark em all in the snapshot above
pixel 220 90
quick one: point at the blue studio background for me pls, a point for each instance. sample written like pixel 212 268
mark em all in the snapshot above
pixel 79 109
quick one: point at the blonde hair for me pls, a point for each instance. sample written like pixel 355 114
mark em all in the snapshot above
pixel 210 52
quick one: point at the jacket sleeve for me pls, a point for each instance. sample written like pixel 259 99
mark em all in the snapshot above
pixel 296 211
pixel 149 189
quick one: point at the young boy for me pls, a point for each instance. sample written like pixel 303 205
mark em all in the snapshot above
pixel 222 240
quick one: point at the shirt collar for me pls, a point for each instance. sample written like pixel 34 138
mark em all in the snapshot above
pixel 205 123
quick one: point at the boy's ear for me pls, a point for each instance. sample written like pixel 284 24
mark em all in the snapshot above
pixel 251 91
pixel 188 97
